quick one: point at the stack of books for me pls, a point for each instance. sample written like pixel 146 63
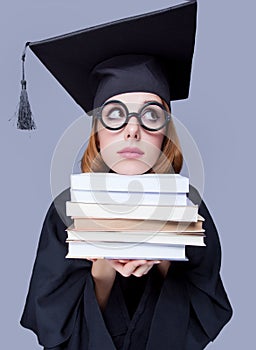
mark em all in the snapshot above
pixel 131 217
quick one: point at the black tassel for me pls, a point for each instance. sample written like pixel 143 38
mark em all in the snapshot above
pixel 25 121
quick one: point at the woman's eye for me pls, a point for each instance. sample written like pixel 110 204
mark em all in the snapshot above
pixel 150 115
pixel 115 114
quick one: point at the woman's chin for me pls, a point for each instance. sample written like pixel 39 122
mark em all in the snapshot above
pixel 130 167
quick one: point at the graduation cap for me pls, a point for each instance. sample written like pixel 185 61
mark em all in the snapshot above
pixel 147 53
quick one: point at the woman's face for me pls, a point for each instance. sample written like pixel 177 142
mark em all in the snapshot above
pixel 132 149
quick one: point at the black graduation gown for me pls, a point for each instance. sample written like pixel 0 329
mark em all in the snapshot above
pixel 185 311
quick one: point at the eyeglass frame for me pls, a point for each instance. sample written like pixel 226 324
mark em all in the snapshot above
pixel 137 115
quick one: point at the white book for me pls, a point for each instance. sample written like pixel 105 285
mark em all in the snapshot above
pixel 137 237
pixel 159 183
pixel 128 198
pixel 145 212
pixel 83 250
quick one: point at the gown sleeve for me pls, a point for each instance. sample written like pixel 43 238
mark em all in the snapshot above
pixel 210 307
pixel 57 284
pixel 192 307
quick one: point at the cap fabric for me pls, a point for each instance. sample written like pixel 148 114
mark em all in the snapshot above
pixel 128 73
pixel 148 53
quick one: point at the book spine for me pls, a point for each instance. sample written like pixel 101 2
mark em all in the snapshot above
pixel 172 213
pixel 131 251
pixel 153 238
pixel 127 198
pixel 175 184
pixel 135 225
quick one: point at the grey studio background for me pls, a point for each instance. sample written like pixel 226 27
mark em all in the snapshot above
pixel 219 114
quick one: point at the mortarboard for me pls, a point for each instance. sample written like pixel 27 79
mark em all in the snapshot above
pixel 149 53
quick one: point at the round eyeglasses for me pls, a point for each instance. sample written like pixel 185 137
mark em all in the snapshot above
pixel 114 115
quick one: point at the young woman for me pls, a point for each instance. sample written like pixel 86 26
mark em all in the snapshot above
pixel 127 304
pixel 146 142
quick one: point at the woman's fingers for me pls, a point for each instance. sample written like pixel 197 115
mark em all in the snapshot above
pixel 133 267
pixel 123 267
pixel 117 265
pixel 144 269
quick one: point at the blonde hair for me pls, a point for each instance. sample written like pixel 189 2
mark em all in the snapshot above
pixel 170 160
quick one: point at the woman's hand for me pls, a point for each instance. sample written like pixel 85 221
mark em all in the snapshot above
pixel 137 268
pixel 126 267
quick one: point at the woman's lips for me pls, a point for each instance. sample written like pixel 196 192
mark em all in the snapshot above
pixel 131 152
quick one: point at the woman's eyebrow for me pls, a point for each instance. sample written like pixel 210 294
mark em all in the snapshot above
pixel 147 101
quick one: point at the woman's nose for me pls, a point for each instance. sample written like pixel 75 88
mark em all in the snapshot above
pixel 132 129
